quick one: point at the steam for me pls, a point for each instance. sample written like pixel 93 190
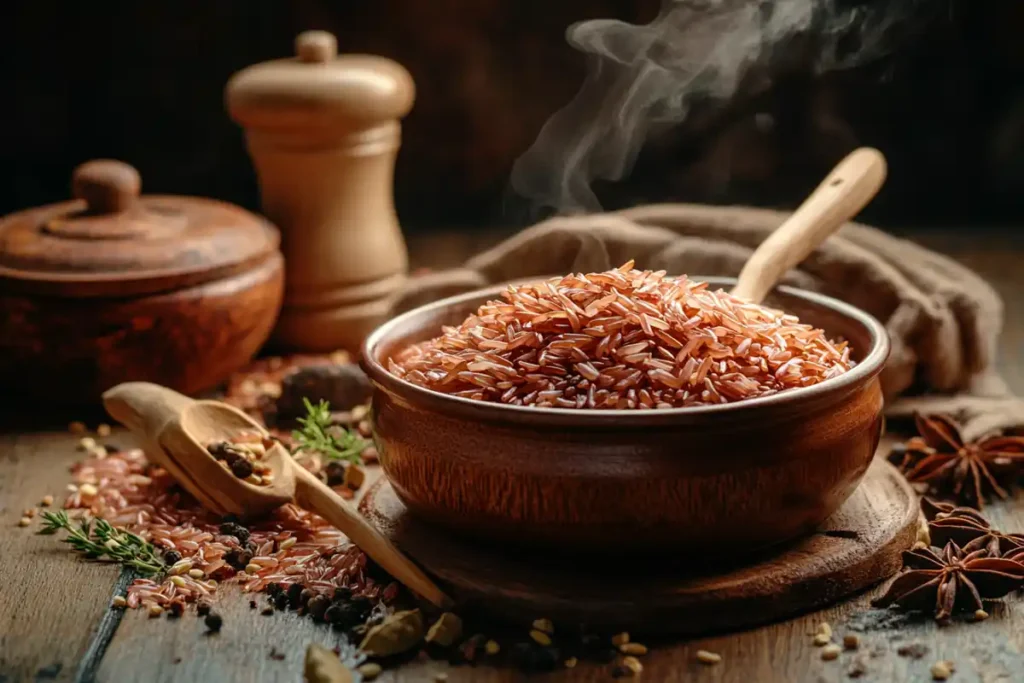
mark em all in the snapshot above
pixel 644 79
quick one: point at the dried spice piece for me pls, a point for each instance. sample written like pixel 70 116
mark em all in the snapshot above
pixel 968 529
pixel 213 622
pixel 831 651
pixel 446 631
pixel 370 671
pixel 398 633
pixel 949 465
pixel 323 666
pixel 941 670
pixel 951 580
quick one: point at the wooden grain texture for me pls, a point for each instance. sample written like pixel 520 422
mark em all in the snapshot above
pixel 857 546
pixel 42 624
pixel 162 651
pixel 50 602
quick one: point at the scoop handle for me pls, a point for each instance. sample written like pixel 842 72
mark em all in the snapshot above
pixel 840 197
pixel 313 494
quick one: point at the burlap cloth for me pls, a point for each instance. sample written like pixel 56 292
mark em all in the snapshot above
pixel 943 319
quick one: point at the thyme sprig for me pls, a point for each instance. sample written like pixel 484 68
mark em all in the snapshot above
pixel 318 435
pixel 98 539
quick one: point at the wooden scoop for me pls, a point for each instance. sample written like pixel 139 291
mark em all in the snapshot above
pixel 840 197
pixel 175 431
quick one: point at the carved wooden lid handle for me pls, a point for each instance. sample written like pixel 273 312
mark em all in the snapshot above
pixel 107 186
pixel 316 46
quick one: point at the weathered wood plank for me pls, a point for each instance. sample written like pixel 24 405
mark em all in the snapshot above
pixel 50 602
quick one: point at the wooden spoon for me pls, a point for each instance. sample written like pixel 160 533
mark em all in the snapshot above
pixel 840 197
pixel 175 431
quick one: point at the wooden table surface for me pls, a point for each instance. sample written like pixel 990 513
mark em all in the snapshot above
pixel 55 623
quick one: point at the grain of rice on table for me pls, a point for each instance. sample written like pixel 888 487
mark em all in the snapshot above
pixel 624 338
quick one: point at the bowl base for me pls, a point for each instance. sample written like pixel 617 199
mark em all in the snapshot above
pixel 858 546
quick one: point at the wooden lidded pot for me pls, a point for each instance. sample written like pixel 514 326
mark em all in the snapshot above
pixel 113 286
pixel 323 132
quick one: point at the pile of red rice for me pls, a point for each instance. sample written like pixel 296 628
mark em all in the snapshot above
pixel 624 338
pixel 291 546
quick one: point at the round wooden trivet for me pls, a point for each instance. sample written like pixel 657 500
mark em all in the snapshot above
pixel 856 547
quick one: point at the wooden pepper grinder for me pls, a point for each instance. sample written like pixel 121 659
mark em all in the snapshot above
pixel 323 131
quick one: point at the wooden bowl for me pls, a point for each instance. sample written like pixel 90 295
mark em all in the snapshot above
pixel 114 287
pixel 725 479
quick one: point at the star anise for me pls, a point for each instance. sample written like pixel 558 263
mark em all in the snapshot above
pixel 951 580
pixel 967 528
pixel 949 465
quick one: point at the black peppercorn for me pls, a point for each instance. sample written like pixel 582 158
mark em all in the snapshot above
pixel 363 606
pixel 294 591
pixel 213 622
pixel 238 559
pixel 222 450
pixel 317 606
pixel 343 615
pixel 175 610
pixel 172 557
pixel 252 604
pixel 281 601
pixel 241 468
pixel 305 596
pixel 335 472
pixel 236 530
pixel 203 608
pixel 273 589
pixel 342 594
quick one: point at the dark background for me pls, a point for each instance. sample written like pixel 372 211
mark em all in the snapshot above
pixel 143 82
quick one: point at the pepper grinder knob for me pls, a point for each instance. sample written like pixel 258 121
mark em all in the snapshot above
pixel 316 46
pixel 323 132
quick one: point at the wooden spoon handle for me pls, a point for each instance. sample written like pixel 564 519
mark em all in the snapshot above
pixel 840 197
pixel 313 494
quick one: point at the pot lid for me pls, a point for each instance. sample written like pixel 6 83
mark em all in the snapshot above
pixel 110 241
pixel 319 88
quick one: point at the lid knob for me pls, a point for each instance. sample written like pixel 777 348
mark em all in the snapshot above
pixel 106 185
pixel 316 46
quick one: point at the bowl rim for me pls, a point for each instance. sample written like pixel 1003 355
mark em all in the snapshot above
pixel 834 387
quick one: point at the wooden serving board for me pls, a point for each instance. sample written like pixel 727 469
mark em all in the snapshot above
pixel 855 548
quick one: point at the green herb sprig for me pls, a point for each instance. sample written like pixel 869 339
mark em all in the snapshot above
pixel 98 539
pixel 318 435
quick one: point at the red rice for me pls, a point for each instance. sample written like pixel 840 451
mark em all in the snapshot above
pixel 132 494
pixel 624 338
